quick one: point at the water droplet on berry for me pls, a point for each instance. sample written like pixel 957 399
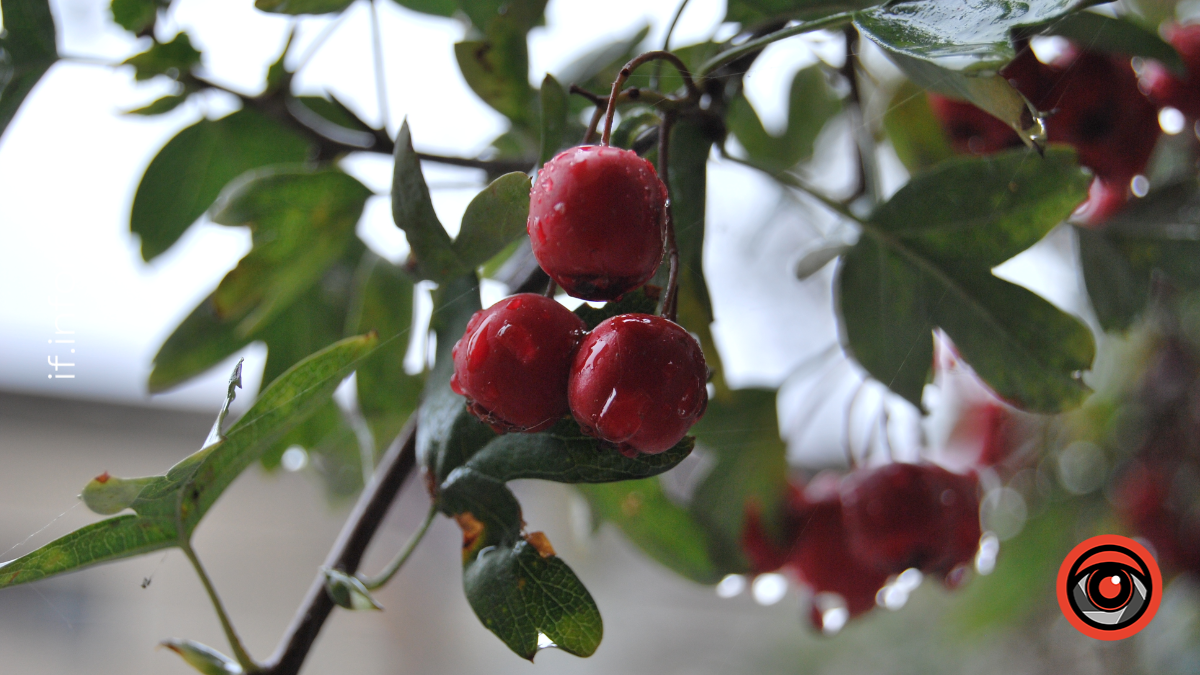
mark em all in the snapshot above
pixel 454 385
pixel 518 341
pixel 515 303
pixel 560 207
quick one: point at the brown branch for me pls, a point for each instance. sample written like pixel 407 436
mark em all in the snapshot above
pixel 347 552
pixel 333 139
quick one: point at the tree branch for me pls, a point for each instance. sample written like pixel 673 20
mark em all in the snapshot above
pixel 347 552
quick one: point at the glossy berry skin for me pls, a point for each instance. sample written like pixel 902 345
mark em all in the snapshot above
pixel 638 381
pixel 596 221
pixel 903 515
pixel 513 361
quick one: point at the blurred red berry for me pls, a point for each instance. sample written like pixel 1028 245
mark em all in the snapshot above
pixel 1167 89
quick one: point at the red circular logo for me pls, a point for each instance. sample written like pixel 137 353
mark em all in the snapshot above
pixel 1109 587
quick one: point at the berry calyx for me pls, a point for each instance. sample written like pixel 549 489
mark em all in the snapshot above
pixel 513 362
pixel 638 381
pixel 596 221
pixel 911 515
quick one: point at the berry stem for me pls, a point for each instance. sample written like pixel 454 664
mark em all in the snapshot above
pixel 693 91
pixel 667 42
pixel 551 288
pixel 664 143
pixel 394 566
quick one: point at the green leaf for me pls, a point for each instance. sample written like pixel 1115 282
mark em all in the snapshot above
pixel 741 431
pixel 432 255
pixel 916 135
pixel 924 260
pixel 27 51
pixel 160 106
pixel 484 507
pixel 302 221
pixel 434 7
pixel 754 11
pixel 315 319
pixel 347 591
pixel 811 103
pixel 383 302
pixel 170 506
pixel 191 487
pixel 203 658
pixel 493 219
pixel 135 16
pixel 555 108
pixel 519 593
pixel 565 454
pixel 1159 234
pixel 957 49
pixel 663 530
pixel 1115 35
pixel 497 70
pixel 105 541
pixel 690 145
pixel 192 168
pixel 447 434
pixel 302 6
pixel 165 58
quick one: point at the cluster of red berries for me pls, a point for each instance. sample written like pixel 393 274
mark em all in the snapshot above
pixel 1094 102
pixel 845 537
pixel 638 381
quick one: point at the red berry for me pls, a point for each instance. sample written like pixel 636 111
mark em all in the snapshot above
pixel 912 515
pixel 970 129
pixel 821 553
pixel 595 221
pixel 638 381
pixel 513 361
pixel 1163 87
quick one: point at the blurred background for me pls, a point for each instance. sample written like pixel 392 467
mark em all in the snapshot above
pixel 69 165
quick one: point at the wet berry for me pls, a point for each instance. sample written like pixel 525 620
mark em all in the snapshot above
pixel 816 550
pixel 596 221
pixel 513 361
pixel 638 381
pixel 912 515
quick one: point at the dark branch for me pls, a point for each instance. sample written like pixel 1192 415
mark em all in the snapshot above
pixel 333 140
pixel 347 552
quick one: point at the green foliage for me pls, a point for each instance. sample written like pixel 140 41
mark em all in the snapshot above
pixel 915 133
pixel 302 222
pixel 27 50
pixel 302 6
pixel 186 176
pixel 1157 235
pixel 924 261
pixel 172 59
pixel 810 105
pixel 169 507
pixel 957 49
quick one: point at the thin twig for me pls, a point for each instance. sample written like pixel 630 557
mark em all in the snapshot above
pixel 693 92
pixel 551 288
pixel 235 643
pixel 850 72
pixel 667 42
pixel 394 566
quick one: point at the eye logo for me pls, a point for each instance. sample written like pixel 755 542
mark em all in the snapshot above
pixel 1109 587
